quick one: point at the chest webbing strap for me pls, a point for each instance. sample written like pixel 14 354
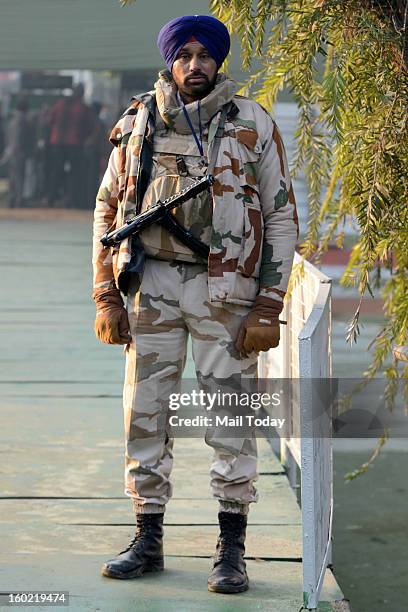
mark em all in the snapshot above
pixel 170 222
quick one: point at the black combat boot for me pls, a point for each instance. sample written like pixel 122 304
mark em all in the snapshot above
pixel 229 573
pixel 143 554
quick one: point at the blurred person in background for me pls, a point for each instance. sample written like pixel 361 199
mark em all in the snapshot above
pixel 42 157
pixel 2 135
pixel 71 124
pixel 19 150
pixel 97 151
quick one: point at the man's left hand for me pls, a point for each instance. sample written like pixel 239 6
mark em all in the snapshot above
pixel 259 330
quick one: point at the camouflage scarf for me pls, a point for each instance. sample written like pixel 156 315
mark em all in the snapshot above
pixel 172 113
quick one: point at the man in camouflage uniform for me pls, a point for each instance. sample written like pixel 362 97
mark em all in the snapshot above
pixel 191 123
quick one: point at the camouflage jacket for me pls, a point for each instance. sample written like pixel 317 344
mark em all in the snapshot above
pixel 254 221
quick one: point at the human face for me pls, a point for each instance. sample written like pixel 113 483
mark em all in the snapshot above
pixel 194 72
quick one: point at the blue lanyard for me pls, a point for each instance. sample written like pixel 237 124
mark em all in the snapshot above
pixel 198 142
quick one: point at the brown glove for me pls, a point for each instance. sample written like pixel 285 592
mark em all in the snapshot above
pixel 259 330
pixel 111 322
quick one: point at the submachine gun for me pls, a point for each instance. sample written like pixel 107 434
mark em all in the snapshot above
pixel 160 213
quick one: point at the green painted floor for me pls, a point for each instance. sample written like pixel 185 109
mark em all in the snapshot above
pixel 62 508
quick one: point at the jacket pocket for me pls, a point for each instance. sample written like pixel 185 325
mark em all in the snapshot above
pixel 250 153
pixel 249 262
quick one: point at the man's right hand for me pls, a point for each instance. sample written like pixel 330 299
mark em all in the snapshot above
pixel 111 322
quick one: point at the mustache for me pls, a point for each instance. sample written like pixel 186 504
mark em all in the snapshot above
pixel 192 76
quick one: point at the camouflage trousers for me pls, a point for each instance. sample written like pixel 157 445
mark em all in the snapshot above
pixel 173 303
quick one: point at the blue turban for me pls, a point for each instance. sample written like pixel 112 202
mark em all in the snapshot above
pixel 210 32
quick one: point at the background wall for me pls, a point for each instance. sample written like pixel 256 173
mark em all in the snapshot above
pixel 91 34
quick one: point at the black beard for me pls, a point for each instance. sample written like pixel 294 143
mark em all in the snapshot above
pixel 197 92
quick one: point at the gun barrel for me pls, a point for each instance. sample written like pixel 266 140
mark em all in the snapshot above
pixel 155 213
pixel 133 226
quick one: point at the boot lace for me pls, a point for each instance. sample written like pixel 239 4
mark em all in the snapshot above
pixel 228 549
pixel 134 542
pixel 139 537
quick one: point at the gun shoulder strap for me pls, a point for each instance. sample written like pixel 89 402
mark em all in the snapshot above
pixel 170 222
pixel 146 153
pixel 184 235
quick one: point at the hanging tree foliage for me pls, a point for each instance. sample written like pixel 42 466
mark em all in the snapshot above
pixel 352 137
